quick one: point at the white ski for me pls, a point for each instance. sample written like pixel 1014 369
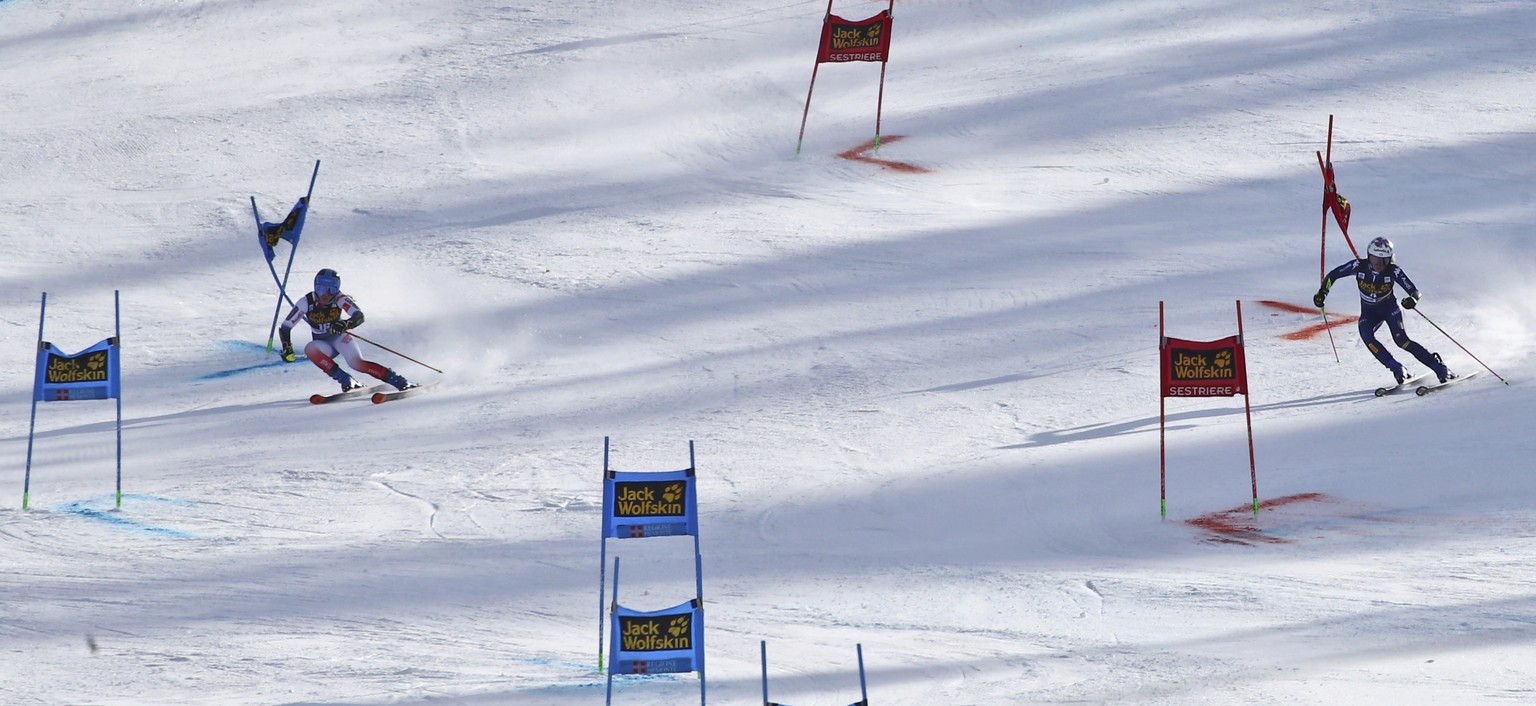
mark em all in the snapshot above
pixel 1405 384
pixel 1426 389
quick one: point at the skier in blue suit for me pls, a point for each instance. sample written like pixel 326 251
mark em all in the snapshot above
pixel 1375 275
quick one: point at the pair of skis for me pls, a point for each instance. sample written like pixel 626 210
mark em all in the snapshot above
pixel 1429 384
pixel 379 394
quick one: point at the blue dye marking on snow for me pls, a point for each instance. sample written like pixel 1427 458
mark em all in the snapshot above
pixel 664 676
pixel 587 670
pixel 241 347
pixel 178 502
pixel 221 374
pixel 550 663
pixel 83 508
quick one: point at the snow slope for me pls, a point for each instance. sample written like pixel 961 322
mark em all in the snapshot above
pixel 924 404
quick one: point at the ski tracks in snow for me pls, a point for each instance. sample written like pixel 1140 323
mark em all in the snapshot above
pixel 430 512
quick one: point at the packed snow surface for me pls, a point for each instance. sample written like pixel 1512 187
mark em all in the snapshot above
pixel 921 381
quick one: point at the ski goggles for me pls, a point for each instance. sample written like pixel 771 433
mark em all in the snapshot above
pixel 327 287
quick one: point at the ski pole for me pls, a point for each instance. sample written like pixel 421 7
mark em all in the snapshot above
pixel 1329 329
pixel 391 350
pixel 1458 345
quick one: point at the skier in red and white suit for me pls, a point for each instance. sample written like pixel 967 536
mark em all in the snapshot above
pixel 330 314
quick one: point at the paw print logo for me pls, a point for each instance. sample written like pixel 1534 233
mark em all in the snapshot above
pixel 96 362
pixel 673 493
pixel 1224 359
pixel 679 626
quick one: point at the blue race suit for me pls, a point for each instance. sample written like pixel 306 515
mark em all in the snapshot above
pixel 1378 306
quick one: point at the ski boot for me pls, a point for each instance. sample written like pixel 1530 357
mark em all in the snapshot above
pixel 345 380
pixel 1441 371
pixel 1399 374
pixel 397 380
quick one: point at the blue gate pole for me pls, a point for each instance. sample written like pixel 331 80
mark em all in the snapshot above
pixel 117 317
pixel 26 484
pixel 602 563
pixel 615 638
pixel 698 571
pixel 282 292
pixel 698 558
pixel 863 690
pixel 282 287
pixel 763 644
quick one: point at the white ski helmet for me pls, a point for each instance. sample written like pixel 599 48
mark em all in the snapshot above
pixel 1382 248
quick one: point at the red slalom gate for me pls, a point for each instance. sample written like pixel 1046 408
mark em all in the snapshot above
pixel 1202 369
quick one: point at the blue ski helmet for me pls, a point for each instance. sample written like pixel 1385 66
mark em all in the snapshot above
pixel 327 283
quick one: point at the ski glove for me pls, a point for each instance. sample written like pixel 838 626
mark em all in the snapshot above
pixel 340 326
pixel 1320 297
pixel 1410 301
pixel 288 354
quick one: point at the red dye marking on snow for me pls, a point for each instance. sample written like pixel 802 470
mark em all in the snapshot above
pixel 1283 306
pixel 1314 329
pixel 1310 331
pixel 1240 526
pixel 857 154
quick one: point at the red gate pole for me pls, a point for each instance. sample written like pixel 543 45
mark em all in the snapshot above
pixel 1322 259
pixel 814 68
pixel 1162 418
pixel 1326 166
pixel 1253 470
pixel 880 97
